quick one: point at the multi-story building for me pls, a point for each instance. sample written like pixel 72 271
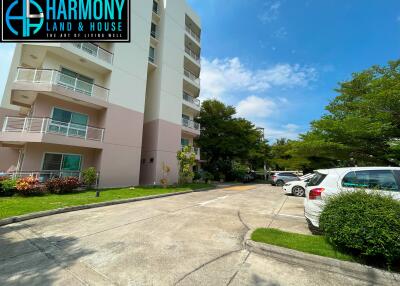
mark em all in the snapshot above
pixel 125 109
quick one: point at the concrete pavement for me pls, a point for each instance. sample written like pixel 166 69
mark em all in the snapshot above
pixel 193 239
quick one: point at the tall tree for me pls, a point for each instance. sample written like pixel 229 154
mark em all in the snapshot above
pixel 225 139
pixel 363 122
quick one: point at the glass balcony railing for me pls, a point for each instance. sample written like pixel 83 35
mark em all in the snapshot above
pixel 55 77
pixel 95 51
pixel 191 99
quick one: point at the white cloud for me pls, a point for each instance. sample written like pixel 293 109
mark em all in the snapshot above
pixel 281 33
pixel 254 106
pixel 288 131
pixel 271 11
pixel 229 75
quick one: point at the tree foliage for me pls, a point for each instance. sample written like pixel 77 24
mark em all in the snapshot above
pixel 361 126
pixel 225 139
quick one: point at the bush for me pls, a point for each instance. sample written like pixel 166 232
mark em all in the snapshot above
pixel 29 186
pixel 207 177
pixel 62 185
pixel 366 224
pixel 7 186
pixel 89 177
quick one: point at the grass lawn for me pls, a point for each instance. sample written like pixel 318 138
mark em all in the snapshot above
pixel 16 205
pixel 306 243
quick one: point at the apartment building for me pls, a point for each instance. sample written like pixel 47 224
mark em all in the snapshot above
pixel 125 109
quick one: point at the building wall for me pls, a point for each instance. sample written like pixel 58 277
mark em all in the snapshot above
pixel 8 155
pixel 144 108
pixel 163 113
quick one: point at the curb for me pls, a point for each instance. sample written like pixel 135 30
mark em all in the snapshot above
pixel 320 263
pixel 30 216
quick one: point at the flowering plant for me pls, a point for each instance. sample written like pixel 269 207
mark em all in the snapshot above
pixel 29 186
pixel 62 185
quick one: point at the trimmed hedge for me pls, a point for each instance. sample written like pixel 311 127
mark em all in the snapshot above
pixel 364 223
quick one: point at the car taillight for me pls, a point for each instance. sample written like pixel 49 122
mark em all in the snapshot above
pixel 273 177
pixel 315 193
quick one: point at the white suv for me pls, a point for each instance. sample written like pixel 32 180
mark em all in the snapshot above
pixel 328 182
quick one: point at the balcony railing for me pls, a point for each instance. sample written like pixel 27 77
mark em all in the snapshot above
pixel 191 76
pixel 192 54
pixel 152 59
pixel 192 33
pixel 190 124
pixel 191 99
pixel 95 51
pixel 44 125
pixel 46 76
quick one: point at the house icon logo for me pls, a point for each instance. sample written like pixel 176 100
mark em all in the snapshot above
pixel 24 18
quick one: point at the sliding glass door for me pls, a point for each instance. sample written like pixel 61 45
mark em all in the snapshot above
pixel 61 165
pixel 68 123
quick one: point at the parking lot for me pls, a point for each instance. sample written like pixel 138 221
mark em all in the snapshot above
pixel 191 239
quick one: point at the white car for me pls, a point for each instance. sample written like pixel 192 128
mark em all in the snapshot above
pixel 326 183
pixel 297 188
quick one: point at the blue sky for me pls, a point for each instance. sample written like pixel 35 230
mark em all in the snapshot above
pixel 278 61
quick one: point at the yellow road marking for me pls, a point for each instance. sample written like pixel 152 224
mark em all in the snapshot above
pixel 239 188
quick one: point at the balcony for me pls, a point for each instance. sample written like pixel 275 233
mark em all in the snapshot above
pixel 194 79
pixel 18 130
pixel 195 57
pixel 193 34
pixel 191 102
pixel 95 51
pixel 190 127
pixel 54 82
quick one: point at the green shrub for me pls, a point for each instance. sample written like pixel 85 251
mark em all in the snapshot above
pixel 366 224
pixel 89 177
pixel 207 177
pixel 62 185
pixel 7 186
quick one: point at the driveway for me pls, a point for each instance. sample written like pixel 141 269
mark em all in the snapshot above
pixel 191 239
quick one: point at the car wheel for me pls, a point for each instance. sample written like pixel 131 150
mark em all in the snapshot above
pixel 280 183
pixel 298 191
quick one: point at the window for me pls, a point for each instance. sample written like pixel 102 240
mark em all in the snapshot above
pixel 155 7
pixel 76 81
pixel 64 165
pixel 287 175
pixel 184 116
pixel 68 123
pixel 152 54
pixel 153 32
pixel 185 142
pixel 371 179
pixel 316 179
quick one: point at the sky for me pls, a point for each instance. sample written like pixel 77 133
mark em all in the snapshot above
pixel 279 61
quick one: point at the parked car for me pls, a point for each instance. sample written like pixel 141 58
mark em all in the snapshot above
pixel 326 183
pixel 280 178
pixel 297 188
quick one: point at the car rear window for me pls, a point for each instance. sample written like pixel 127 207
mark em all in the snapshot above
pixel 371 179
pixel 316 179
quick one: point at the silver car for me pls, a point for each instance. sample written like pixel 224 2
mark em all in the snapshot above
pixel 281 178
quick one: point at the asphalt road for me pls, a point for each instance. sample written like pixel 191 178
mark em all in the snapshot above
pixel 191 239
